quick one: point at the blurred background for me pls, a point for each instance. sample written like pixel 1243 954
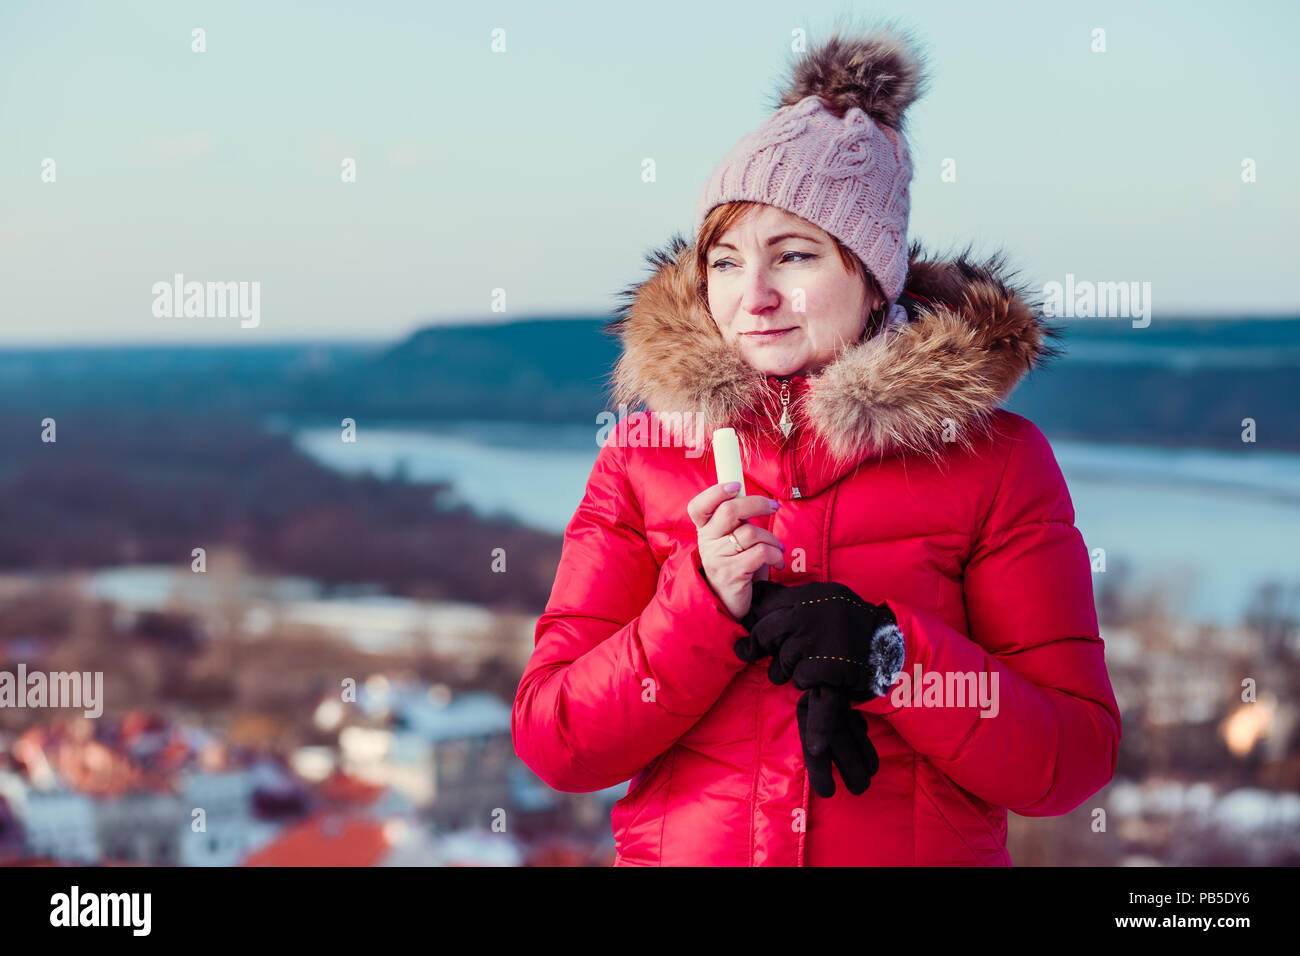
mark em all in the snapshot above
pixel 427 212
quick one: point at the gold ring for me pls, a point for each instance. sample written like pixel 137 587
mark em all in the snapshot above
pixel 736 542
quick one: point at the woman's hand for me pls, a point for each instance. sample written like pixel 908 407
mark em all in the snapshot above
pixel 825 634
pixel 718 514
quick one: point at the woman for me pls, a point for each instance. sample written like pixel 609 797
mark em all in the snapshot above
pixel 901 601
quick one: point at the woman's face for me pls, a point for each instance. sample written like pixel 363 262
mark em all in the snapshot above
pixel 778 287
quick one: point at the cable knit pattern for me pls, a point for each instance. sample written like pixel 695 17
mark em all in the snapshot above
pixel 848 175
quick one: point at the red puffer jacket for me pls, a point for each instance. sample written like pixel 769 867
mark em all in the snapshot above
pixel 902 480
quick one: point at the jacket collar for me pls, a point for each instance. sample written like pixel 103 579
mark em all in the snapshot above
pixel 970 338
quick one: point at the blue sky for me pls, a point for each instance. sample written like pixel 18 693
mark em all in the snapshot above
pixel 522 170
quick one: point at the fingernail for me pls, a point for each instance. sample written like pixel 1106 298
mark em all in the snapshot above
pixel 775 504
pixel 731 486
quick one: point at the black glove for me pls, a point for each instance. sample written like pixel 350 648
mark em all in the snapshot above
pixel 832 731
pixel 748 649
pixel 825 635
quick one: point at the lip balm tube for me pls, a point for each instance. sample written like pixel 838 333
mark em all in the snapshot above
pixel 726 456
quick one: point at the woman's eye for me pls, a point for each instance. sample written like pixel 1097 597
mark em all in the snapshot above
pixel 802 257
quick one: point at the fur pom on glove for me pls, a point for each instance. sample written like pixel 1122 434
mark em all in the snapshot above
pixel 823 635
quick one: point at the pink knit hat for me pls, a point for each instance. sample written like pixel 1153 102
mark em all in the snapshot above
pixel 834 152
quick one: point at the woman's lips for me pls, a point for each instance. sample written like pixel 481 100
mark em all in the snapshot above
pixel 764 336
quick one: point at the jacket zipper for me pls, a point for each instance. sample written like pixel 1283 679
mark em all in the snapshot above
pixel 790 467
pixel 789 460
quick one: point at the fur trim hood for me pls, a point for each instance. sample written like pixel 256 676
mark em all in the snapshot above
pixel 971 336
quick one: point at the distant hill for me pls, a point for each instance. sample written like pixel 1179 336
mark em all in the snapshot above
pixel 1176 382
pixel 544 370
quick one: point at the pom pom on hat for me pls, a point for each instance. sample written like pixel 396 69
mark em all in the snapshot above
pixel 881 74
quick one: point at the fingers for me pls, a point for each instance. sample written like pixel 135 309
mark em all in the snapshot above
pixel 816 760
pixel 824 715
pixel 786 659
pixel 819 774
pixel 749 536
pixel 850 747
pixel 763 536
pixel 769 634
pixel 752 558
pixel 729 513
pixel 852 763
pixel 706 506
pixel 857 726
pixel 748 559
pixel 751 648
pixel 747 650
pixel 702 506
pixel 752 540
pixel 835 732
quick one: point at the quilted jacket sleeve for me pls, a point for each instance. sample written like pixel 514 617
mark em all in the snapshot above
pixel 1051 738
pixel 627 656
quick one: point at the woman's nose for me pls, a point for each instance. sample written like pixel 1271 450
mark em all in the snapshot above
pixel 760 295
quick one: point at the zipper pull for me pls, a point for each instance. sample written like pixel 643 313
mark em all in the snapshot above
pixel 786 422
